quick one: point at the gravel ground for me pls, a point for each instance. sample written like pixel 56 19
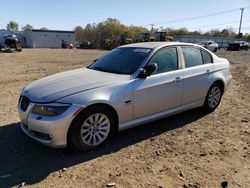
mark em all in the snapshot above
pixel 192 149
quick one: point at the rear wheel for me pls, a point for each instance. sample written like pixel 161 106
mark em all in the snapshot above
pixel 215 50
pixel 213 97
pixel 92 128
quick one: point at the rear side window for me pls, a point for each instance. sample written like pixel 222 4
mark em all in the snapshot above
pixel 192 57
pixel 207 58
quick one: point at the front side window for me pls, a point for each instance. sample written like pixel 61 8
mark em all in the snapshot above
pixel 121 60
pixel 192 57
pixel 165 59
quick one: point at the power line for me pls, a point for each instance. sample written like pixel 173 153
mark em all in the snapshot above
pixel 246 28
pixel 198 17
pixel 235 22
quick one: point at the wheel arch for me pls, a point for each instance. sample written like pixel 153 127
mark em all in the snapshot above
pixel 221 83
pixel 218 81
pixel 109 107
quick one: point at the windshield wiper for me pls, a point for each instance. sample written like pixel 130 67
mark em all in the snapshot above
pixel 105 70
pixel 100 69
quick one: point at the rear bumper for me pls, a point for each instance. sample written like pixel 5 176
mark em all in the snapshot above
pixel 228 82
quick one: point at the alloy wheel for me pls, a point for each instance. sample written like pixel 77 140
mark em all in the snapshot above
pixel 95 129
pixel 214 97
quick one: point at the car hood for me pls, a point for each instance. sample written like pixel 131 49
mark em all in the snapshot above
pixel 64 84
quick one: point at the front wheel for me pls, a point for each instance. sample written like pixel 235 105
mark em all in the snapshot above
pixel 92 128
pixel 213 97
pixel 215 50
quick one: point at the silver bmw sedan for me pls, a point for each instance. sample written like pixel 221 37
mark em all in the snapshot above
pixel 128 86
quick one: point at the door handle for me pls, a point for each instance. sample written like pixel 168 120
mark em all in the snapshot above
pixel 177 79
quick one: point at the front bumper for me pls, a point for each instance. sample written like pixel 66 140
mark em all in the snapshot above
pixel 49 130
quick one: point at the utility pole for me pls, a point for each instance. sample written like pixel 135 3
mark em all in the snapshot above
pixel 152 28
pixel 242 10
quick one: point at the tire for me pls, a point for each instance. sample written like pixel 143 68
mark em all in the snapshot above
pixel 213 97
pixel 92 128
pixel 215 50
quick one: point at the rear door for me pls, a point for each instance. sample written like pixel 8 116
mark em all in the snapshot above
pixel 198 68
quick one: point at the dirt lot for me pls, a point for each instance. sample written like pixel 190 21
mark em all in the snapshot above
pixel 192 149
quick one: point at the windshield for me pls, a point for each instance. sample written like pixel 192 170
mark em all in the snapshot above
pixel 121 60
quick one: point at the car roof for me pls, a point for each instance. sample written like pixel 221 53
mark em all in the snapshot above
pixel 152 45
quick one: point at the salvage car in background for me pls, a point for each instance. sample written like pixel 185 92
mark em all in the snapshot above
pixel 210 45
pixel 11 44
pixel 128 86
pixel 238 45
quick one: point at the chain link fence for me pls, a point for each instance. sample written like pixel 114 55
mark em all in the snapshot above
pixel 221 41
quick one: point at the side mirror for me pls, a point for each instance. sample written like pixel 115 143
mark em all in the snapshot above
pixel 147 70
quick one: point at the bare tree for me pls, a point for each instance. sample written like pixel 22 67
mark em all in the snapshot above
pixel 90 32
pixel 79 33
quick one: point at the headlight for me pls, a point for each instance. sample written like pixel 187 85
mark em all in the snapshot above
pixel 50 109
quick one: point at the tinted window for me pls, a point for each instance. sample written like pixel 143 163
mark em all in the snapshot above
pixel 121 60
pixel 166 60
pixel 207 58
pixel 192 56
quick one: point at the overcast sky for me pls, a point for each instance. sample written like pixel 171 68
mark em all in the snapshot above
pixel 67 14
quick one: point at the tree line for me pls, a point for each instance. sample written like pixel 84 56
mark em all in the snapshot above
pixel 14 26
pixel 112 27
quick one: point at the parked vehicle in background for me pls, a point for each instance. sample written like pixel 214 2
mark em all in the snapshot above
pixel 11 44
pixel 83 45
pixel 238 45
pixel 210 45
pixel 162 36
pixel 129 86
pixel 145 37
pixel 123 40
pixel 66 45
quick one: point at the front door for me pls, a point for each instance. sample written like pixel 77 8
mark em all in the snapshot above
pixel 162 90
